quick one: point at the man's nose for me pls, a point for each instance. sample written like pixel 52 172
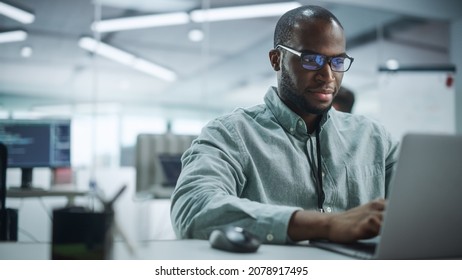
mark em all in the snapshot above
pixel 325 73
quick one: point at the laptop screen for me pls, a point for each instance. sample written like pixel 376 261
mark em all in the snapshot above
pixel 171 166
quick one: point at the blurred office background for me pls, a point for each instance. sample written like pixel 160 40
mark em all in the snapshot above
pixel 176 69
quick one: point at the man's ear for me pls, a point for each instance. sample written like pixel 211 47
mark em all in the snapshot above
pixel 274 56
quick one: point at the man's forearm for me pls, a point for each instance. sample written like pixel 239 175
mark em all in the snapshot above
pixel 306 225
pixel 357 223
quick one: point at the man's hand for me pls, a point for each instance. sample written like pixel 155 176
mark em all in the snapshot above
pixel 357 223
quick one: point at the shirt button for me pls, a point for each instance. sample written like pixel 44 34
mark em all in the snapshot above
pixel 269 237
pixel 291 129
pixel 328 209
pixel 323 174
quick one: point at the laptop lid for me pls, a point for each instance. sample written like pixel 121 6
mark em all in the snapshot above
pixel 423 218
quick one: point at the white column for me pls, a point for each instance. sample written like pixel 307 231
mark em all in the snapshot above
pixel 456 58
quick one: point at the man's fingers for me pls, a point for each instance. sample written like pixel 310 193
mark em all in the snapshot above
pixel 378 204
pixel 373 225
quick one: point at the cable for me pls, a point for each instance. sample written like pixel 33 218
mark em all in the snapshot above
pixel 45 209
pixel 316 171
pixel 28 234
pixel 321 194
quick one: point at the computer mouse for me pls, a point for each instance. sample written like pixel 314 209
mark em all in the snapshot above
pixel 234 239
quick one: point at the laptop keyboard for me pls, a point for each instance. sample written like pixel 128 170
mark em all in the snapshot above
pixel 360 250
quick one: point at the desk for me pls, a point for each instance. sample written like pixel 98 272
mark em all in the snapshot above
pixel 176 250
pixel 69 194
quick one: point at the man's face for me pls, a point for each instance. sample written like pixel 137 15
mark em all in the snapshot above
pixel 311 92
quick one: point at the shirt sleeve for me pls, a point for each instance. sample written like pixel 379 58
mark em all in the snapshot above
pixel 391 159
pixel 209 189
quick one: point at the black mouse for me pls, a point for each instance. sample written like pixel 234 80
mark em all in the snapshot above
pixel 234 239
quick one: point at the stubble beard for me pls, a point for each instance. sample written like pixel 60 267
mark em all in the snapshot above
pixel 288 92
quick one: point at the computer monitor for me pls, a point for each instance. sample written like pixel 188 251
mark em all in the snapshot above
pixel 171 167
pixel 36 143
pixel 158 163
pixel 8 216
pixel 3 156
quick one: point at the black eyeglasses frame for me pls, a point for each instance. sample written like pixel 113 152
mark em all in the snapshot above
pixel 326 59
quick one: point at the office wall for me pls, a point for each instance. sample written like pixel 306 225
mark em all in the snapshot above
pixel 405 101
pixel 417 102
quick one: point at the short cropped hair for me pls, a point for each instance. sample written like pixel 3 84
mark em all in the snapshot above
pixel 284 27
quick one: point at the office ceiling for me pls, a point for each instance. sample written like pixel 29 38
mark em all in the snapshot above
pixel 228 68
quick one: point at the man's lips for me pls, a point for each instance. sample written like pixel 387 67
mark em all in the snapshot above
pixel 323 91
pixel 323 94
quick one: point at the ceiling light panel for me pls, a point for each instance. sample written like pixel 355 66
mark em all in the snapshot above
pixel 16 13
pixel 13 36
pixel 139 22
pixel 106 50
pixel 126 58
pixel 242 12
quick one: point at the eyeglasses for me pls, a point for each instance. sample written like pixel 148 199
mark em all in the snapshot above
pixel 313 61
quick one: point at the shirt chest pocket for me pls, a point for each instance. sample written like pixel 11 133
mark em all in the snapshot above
pixel 364 183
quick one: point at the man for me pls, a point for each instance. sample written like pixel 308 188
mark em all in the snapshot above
pixel 291 169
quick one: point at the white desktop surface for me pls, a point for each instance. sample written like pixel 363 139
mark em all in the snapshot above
pixel 176 250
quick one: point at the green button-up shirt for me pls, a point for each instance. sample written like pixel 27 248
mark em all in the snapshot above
pixel 252 168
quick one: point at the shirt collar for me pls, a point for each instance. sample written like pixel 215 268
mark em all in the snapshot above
pixel 292 122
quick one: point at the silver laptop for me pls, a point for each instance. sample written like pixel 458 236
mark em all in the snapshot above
pixel 423 219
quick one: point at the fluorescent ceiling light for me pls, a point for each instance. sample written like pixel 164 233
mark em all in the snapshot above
pixel 196 35
pixel 218 14
pixel 392 64
pixel 26 51
pixel 140 22
pixel 13 36
pixel 154 70
pixel 126 58
pixel 16 14
pixel 242 12
pixel 106 50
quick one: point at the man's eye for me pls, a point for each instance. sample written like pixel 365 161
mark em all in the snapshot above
pixel 314 59
pixel 338 60
pixel 310 58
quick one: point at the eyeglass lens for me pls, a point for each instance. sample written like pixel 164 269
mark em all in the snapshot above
pixel 317 61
